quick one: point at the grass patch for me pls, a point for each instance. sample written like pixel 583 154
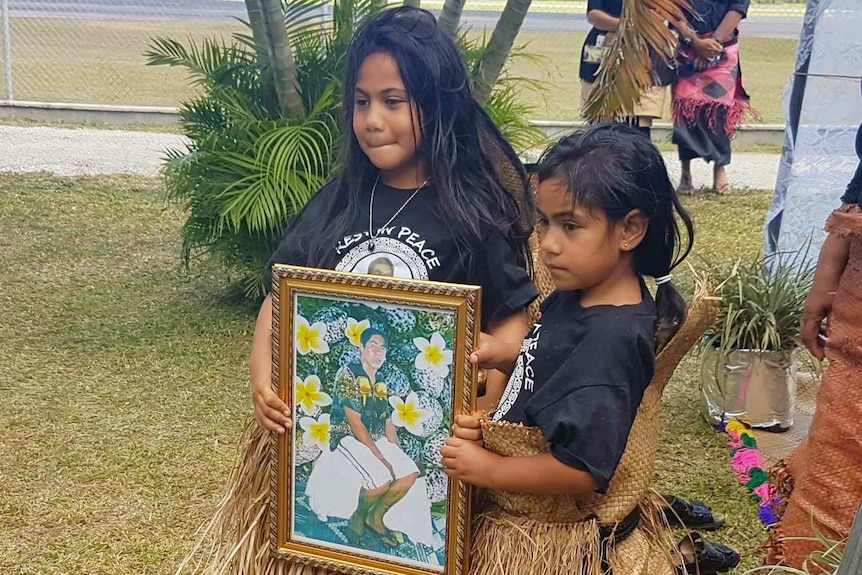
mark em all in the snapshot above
pixel 108 65
pixel 124 384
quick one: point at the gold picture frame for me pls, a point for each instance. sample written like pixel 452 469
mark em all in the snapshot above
pixel 354 352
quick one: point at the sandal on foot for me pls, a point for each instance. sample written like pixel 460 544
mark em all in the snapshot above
pixel 703 557
pixel 724 189
pixel 691 514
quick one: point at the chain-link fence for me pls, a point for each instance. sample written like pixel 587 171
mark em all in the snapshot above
pixel 91 51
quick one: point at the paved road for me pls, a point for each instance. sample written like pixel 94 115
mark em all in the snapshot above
pixel 71 152
pixel 220 10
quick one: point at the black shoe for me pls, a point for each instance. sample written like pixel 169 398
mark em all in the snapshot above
pixel 702 557
pixel 691 514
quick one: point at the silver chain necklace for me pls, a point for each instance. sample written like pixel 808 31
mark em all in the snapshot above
pixel 371 234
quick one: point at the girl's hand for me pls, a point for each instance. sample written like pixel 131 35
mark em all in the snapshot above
pixel 707 48
pixel 467 427
pixel 494 353
pixel 817 308
pixel 467 461
pixel 270 412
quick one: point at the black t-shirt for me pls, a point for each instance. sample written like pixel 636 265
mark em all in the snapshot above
pixel 854 188
pixel 705 16
pixel 591 52
pixel 418 244
pixel 580 378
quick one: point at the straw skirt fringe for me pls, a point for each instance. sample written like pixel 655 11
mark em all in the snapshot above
pixel 504 544
pixel 546 535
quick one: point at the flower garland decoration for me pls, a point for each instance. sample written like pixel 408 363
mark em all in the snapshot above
pixel 747 463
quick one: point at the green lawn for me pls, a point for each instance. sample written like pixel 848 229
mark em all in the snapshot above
pixel 101 62
pixel 124 386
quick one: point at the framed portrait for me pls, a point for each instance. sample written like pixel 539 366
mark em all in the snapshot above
pixel 375 369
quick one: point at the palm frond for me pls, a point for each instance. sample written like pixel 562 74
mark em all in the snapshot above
pixel 627 68
pixel 201 61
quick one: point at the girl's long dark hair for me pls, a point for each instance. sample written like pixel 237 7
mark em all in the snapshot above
pixel 458 142
pixel 616 169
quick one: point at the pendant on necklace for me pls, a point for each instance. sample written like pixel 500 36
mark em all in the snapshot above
pixel 371 246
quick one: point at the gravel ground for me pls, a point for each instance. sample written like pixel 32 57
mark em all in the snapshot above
pixel 79 151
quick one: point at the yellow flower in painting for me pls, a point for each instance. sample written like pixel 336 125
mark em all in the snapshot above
pixel 408 414
pixel 433 355
pixel 316 432
pixel 309 396
pixel 310 337
pixel 354 330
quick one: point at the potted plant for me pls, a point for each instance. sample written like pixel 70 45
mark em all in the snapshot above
pixel 748 368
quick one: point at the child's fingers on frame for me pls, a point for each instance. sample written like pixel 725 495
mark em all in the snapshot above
pixel 276 417
pixel 467 430
pixel 268 424
pixel 468 434
pixel 468 421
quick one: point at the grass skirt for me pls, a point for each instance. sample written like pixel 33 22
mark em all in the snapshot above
pixel 546 535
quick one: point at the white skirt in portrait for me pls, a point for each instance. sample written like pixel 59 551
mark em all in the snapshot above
pixel 339 476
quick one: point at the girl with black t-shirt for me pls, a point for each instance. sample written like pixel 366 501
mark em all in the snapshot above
pixel 607 216
pixel 419 195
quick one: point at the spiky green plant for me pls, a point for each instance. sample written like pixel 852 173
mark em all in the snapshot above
pixel 761 302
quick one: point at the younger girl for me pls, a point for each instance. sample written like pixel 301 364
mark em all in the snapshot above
pixel 420 194
pixel 549 454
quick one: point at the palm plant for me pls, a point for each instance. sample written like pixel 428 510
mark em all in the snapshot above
pixel 254 159
pixel 253 162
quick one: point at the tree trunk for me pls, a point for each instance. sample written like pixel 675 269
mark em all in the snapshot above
pixel 258 32
pixel 450 16
pixel 281 58
pixel 499 46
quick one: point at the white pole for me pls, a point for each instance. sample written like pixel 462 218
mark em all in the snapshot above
pixel 7 50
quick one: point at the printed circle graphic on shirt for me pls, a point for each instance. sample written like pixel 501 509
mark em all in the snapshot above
pixel 390 258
